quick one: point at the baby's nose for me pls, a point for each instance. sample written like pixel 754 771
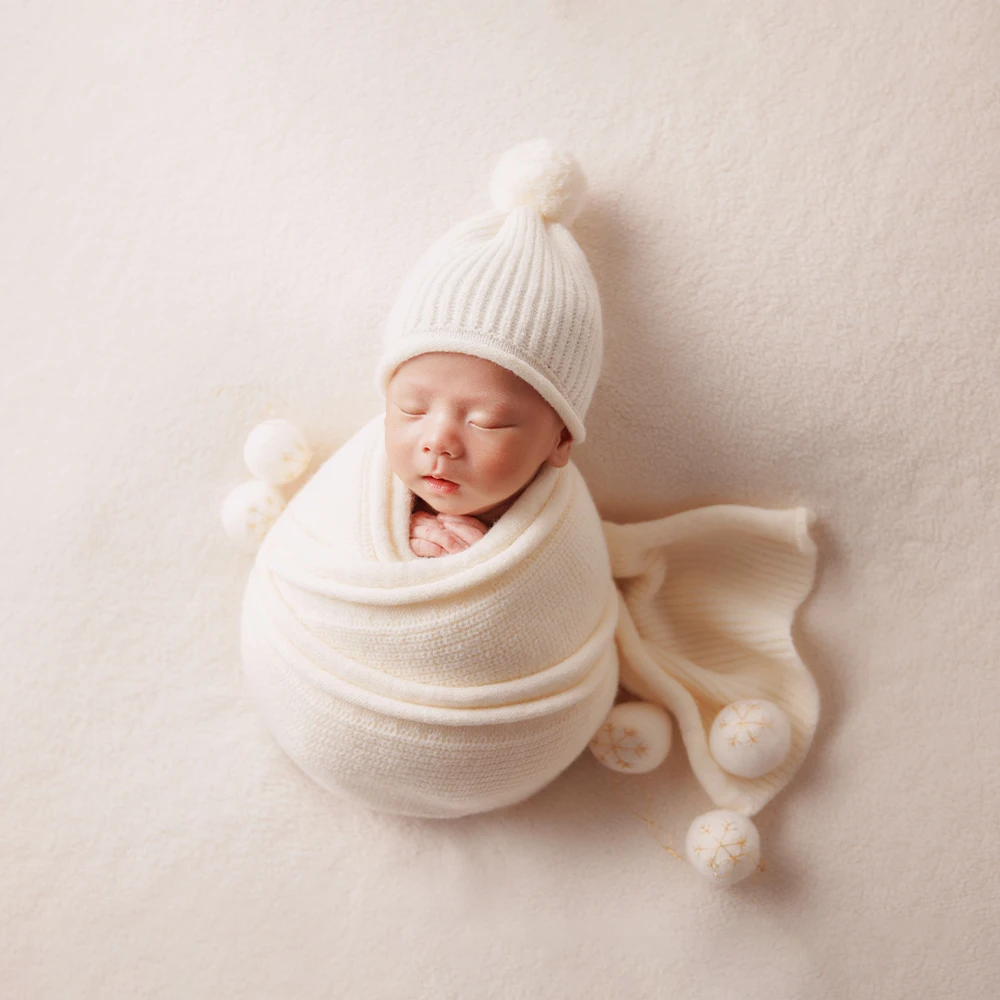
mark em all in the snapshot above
pixel 442 439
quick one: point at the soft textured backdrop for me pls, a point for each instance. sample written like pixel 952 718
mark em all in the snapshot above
pixel 205 212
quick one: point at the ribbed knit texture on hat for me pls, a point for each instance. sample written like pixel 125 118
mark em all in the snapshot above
pixel 514 289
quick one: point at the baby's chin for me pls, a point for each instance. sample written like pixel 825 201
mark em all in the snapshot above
pixel 450 503
pixel 459 502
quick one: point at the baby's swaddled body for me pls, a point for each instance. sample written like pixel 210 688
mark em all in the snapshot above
pixel 430 687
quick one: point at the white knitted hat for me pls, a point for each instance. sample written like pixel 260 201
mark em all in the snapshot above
pixel 511 285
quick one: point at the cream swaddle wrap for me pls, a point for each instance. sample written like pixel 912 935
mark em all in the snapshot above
pixel 448 686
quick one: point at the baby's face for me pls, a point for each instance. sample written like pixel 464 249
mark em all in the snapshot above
pixel 470 422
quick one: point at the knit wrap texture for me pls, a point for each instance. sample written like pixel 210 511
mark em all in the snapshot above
pixel 513 288
pixel 455 685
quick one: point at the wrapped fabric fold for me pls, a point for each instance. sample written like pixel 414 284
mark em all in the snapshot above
pixel 708 598
pixel 449 686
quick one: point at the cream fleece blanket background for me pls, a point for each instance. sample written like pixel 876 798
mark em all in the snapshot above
pixel 205 212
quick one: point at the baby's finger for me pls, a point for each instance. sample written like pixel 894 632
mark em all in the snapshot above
pixel 459 518
pixel 422 547
pixel 468 532
pixel 424 529
pixel 451 540
pixel 433 531
pixel 431 534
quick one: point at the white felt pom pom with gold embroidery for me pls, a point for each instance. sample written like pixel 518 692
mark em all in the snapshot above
pixel 724 846
pixel 249 511
pixel 277 452
pixel 750 738
pixel 634 738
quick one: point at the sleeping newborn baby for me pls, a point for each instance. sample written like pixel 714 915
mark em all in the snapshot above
pixel 442 687
pixel 466 436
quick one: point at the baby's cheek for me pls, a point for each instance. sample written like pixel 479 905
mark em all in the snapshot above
pixel 397 450
pixel 517 455
pixel 498 465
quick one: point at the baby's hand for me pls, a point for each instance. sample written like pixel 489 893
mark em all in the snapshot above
pixel 443 534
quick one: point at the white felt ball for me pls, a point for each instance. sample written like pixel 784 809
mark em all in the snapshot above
pixel 749 738
pixel 635 737
pixel 540 174
pixel 277 452
pixel 723 846
pixel 249 511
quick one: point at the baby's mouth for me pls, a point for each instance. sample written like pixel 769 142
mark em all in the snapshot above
pixel 440 485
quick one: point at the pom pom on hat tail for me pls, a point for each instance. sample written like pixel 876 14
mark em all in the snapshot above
pixel 541 174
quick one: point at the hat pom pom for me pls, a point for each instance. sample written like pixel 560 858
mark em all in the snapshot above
pixel 540 174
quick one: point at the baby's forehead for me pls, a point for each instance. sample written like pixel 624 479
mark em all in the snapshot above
pixel 461 378
pixel 457 390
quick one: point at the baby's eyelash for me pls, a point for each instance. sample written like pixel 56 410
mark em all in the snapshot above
pixel 482 427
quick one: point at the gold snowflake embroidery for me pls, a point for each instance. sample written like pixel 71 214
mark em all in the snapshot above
pixel 260 521
pixel 727 851
pixel 618 746
pixel 295 458
pixel 747 729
